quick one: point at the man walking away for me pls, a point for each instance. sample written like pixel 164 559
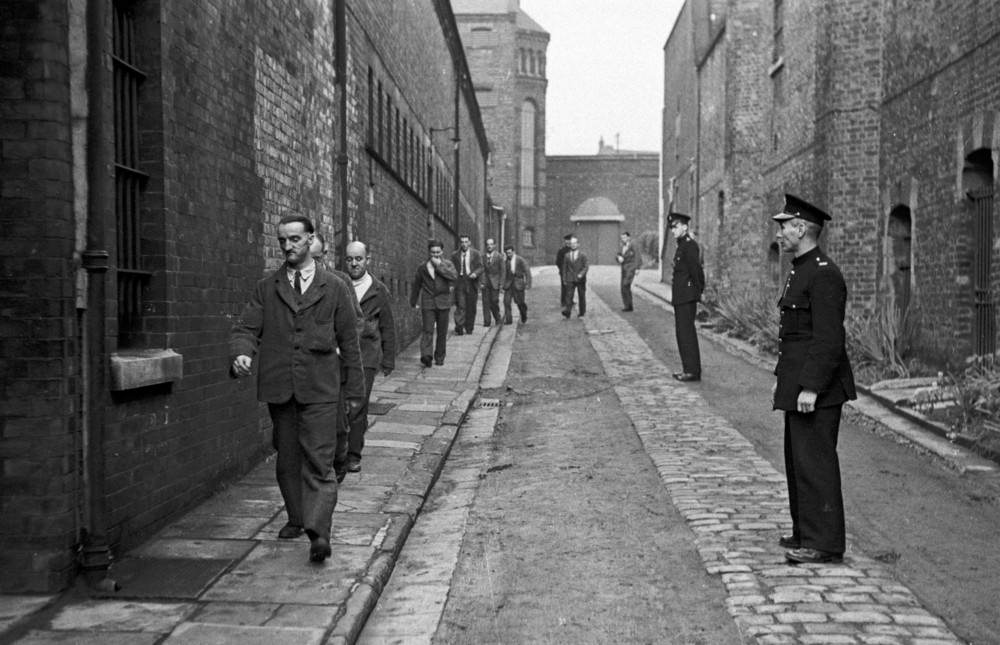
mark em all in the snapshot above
pixel 687 285
pixel 629 259
pixel 516 279
pixel 814 379
pixel 560 256
pixel 469 263
pixel 300 326
pixel 431 294
pixel 378 341
pixel 492 282
pixel 574 278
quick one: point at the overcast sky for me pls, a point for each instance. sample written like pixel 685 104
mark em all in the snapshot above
pixel 605 71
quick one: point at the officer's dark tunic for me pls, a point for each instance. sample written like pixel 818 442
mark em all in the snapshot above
pixel 812 356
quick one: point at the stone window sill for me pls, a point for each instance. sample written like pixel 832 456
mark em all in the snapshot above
pixel 145 367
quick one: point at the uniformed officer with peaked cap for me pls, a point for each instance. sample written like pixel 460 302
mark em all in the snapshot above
pixel 814 379
pixel 687 284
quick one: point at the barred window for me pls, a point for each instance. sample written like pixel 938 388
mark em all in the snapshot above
pixel 129 180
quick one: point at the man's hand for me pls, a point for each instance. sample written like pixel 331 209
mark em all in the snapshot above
pixel 807 401
pixel 435 261
pixel 353 405
pixel 242 365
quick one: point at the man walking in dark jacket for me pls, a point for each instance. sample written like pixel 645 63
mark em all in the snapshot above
pixel 469 265
pixel 814 379
pixel 431 294
pixel 378 341
pixel 299 329
pixel 491 282
pixel 687 285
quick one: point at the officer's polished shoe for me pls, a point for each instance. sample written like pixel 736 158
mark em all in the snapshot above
pixel 289 532
pixel 687 377
pixel 319 549
pixel 809 556
pixel 788 542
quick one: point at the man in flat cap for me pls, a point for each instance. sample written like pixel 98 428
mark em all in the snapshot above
pixel 687 285
pixel 814 379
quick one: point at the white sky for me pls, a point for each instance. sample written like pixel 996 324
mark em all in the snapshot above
pixel 605 69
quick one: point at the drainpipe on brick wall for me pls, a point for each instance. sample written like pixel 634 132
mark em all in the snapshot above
pixel 457 140
pixel 340 55
pixel 95 552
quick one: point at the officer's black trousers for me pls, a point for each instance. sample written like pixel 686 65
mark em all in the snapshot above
pixel 687 337
pixel 813 473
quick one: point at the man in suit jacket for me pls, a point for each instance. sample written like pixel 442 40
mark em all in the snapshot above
pixel 814 380
pixel 378 341
pixel 431 293
pixel 491 282
pixel 516 279
pixel 560 255
pixel 301 322
pixel 629 259
pixel 469 264
pixel 574 277
pixel 687 285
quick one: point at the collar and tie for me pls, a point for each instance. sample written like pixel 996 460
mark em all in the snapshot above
pixel 297 285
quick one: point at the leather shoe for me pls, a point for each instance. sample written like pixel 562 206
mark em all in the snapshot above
pixel 459 332
pixel 426 360
pixel 353 464
pixel 686 377
pixel 440 362
pixel 289 532
pixel 319 549
pixel 809 556
pixel 788 542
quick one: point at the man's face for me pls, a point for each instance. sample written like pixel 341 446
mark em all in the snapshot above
pixel 356 260
pixel 678 229
pixel 464 242
pixel 491 245
pixel 435 252
pixel 789 234
pixel 574 243
pixel 566 243
pixel 624 238
pixel 294 242
pixel 509 253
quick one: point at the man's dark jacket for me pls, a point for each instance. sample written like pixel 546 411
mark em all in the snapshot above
pixel 378 335
pixel 812 346
pixel 688 281
pixel 295 339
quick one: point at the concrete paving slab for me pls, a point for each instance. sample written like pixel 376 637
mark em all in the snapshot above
pixel 362 498
pixel 183 548
pixel 45 637
pixel 389 443
pixel 180 578
pixel 209 634
pixel 395 427
pixel 280 572
pixel 121 616
pixel 209 527
pixel 14 607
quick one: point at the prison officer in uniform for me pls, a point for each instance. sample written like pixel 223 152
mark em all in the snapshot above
pixel 687 285
pixel 814 379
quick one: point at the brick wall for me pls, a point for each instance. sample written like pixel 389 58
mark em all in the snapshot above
pixel 39 354
pixel 631 182
pixel 239 119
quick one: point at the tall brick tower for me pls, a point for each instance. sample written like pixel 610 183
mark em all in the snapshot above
pixel 506 52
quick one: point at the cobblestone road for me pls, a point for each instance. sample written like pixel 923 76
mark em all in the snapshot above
pixel 736 504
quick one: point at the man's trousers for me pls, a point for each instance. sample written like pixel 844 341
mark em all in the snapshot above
pixel 434 334
pixel 359 423
pixel 687 337
pixel 305 436
pixel 812 469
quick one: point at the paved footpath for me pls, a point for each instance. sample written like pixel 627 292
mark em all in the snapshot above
pixel 219 574
pixel 736 504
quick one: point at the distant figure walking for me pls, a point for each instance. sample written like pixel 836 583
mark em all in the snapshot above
pixel 469 264
pixel 629 261
pixel 516 279
pixel 574 278
pixel 431 294
pixel 491 282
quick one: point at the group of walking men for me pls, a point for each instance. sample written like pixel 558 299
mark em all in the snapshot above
pixel 439 283
pixel 317 337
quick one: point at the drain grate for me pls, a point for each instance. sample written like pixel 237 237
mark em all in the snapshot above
pixel 488 403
